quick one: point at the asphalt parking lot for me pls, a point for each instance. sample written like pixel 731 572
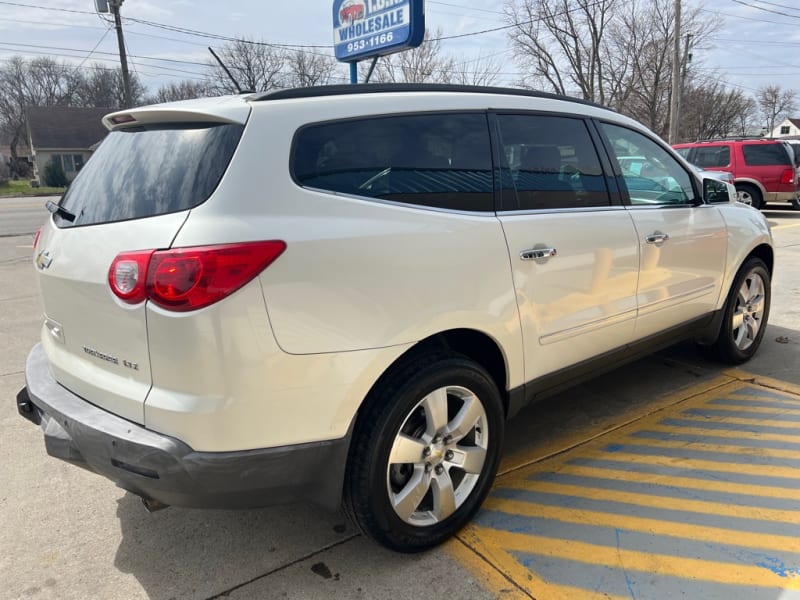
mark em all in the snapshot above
pixel 671 477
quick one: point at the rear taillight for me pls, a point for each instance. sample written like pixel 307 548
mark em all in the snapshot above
pixel 787 177
pixel 183 279
pixel 36 237
pixel 128 275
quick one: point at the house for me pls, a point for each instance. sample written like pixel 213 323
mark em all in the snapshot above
pixel 788 127
pixel 64 134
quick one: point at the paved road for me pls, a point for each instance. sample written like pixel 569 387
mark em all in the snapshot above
pixel 22 216
pixel 66 533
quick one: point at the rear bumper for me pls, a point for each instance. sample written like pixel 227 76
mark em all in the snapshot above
pixel 162 468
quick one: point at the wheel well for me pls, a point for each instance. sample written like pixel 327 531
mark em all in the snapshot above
pixel 471 343
pixel 764 252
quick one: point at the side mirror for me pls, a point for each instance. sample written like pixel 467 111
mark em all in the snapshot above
pixel 716 191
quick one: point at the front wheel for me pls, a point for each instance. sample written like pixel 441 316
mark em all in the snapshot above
pixel 746 313
pixel 424 452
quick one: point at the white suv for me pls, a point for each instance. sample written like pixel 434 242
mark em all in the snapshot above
pixel 339 294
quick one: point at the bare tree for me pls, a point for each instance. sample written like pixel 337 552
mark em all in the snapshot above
pixel 256 66
pixel 182 90
pixel 559 44
pixel 23 83
pixel 607 51
pixel 305 67
pixel 775 104
pixel 480 71
pixel 424 64
pixel 103 87
pixel 711 110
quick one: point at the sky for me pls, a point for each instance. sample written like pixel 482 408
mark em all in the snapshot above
pixel 753 42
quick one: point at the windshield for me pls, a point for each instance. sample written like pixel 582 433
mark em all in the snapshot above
pixel 152 170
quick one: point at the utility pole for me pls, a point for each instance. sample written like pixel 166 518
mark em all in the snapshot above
pixel 123 59
pixel 674 106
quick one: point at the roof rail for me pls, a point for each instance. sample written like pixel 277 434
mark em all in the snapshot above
pixel 734 138
pixel 383 88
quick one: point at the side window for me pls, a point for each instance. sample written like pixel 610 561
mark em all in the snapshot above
pixel 658 178
pixel 759 155
pixel 712 156
pixel 549 163
pixel 441 161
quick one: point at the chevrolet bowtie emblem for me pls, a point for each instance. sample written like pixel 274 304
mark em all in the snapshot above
pixel 43 260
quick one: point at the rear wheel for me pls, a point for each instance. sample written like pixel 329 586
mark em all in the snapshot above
pixel 796 203
pixel 747 193
pixel 746 314
pixel 424 452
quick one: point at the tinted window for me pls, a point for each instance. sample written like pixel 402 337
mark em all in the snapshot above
pixel 148 171
pixel 550 162
pixel 441 161
pixel 765 154
pixel 712 156
pixel 657 177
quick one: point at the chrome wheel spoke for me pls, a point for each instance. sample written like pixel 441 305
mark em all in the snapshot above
pixel 444 496
pixel 470 459
pixel 435 405
pixel 758 305
pixel 407 500
pixel 466 419
pixel 738 319
pixel 406 449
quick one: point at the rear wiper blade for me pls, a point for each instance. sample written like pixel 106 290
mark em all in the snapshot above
pixel 57 208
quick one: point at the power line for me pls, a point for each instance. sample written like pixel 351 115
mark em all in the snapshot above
pixel 769 10
pixel 100 41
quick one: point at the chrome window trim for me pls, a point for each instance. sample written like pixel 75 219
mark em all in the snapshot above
pixel 548 211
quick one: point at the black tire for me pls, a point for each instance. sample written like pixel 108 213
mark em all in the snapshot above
pixel 404 402
pixel 750 310
pixel 749 194
pixel 796 203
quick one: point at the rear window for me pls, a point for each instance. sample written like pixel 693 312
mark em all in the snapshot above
pixel 152 170
pixel 765 154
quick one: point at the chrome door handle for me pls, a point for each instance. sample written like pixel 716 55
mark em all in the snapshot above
pixel 537 253
pixel 657 238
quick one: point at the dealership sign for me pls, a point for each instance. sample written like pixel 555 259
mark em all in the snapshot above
pixel 365 28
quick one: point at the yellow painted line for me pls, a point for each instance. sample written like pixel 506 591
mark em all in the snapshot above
pixel 755 421
pixel 674 529
pixel 767 382
pixel 761 410
pixel 732 449
pixel 657 564
pixel 541 451
pixel 783 399
pixel 527 580
pixel 686 482
pixel 665 502
pixel 700 465
pixel 789 226
pixel 736 435
pixel 485 572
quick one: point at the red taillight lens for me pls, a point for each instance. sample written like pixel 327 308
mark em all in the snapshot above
pixel 184 279
pixel 787 177
pixel 36 237
pixel 128 275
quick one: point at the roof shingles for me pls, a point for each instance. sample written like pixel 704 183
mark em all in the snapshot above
pixel 65 127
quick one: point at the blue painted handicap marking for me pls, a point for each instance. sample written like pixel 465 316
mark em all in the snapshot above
pixel 701 500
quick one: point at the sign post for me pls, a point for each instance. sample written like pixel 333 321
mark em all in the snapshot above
pixel 371 28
